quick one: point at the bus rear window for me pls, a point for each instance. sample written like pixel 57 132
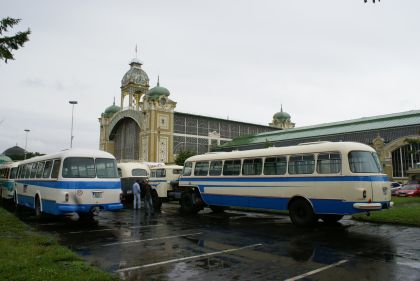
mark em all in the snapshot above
pixel 78 167
pixel 364 162
pixel 106 168
pixel 139 173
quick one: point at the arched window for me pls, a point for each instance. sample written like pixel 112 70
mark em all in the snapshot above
pixel 404 158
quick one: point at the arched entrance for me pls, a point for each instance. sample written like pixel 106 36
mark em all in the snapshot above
pixel 125 135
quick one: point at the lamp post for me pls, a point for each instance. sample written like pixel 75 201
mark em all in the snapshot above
pixel 72 102
pixel 26 141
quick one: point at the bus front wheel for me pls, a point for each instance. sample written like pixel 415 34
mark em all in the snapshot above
pixel 301 213
pixel 38 212
pixel 188 203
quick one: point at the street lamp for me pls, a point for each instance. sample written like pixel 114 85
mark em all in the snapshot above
pixel 26 140
pixel 72 102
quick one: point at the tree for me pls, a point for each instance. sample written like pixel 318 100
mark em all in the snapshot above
pixel 11 43
pixel 183 155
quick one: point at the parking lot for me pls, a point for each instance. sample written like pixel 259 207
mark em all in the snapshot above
pixel 236 245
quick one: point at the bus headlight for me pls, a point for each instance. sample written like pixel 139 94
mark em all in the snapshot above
pixel 66 197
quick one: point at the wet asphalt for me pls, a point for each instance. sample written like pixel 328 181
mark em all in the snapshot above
pixel 236 245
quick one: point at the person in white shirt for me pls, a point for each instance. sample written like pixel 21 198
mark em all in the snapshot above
pixel 136 194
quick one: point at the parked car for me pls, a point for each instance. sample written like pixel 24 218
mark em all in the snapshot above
pixel 395 186
pixel 409 190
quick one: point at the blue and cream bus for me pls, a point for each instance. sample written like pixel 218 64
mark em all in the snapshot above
pixel 8 173
pixel 71 181
pixel 325 180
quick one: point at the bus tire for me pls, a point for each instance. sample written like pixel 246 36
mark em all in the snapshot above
pixel 157 202
pixel 217 209
pixel 301 213
pixel 38 212
pixel 331 219
pixel 187 203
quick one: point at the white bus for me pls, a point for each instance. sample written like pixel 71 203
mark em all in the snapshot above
pixel 161 179
pixel 8 173
pixel 71 181
pixel 314 180
pixel 129 172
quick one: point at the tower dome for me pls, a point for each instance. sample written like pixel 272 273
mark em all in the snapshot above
pixel 111 110
pixel 157 91
pixel 135 75
pixel 281 116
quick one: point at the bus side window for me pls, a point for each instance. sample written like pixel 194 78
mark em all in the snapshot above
pixel 201 168
pixel 56 169
pixel 40 169
pixel 252 167
pixel 301 164
pixel 27 170
pixel 13 173
pixel 47 169
pixel 215 168
pixel 232 168
pixel 187 169
pixel 328 163
pixel 275 166
pixel 33 170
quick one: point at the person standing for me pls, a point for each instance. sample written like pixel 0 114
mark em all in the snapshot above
pixel 136 195
pixel 148 202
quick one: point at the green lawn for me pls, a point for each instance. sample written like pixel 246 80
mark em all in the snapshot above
pixel 406 211
pixel 31 256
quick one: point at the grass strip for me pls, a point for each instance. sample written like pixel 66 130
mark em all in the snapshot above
pixel 27 255
pixel 405 212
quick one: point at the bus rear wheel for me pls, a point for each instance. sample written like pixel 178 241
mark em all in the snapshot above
pixel 301 213
pixel 331 219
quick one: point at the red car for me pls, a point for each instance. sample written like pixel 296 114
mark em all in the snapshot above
pixel 409 190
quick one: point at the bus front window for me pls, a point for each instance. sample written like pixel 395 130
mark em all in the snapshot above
pixel 364 162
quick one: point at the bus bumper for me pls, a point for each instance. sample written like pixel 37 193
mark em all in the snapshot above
pixel 373 206
pixel 88 208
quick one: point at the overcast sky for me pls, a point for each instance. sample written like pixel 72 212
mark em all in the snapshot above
pixel 324 60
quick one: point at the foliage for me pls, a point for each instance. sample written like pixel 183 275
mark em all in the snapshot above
pixel 182 156
pixel 27 255
pixel 11 43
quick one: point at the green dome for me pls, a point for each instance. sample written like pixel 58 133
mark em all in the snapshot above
pixel 111 110
pixel 5 159
pixel 158 91
pixel 281 115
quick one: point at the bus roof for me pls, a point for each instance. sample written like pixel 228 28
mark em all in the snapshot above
pixel 71 153
pixel 296 149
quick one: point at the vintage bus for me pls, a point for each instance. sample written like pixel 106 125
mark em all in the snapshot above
pixel 129 172
pixel 325 180
pixel 71 181
pixel 8 173
pixel 161 180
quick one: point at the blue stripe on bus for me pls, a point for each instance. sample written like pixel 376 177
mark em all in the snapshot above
pixel 283 179
pixel 53 208
pixel 321 206
pixel 74 184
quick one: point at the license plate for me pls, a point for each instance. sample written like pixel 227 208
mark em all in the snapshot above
pixel 97 194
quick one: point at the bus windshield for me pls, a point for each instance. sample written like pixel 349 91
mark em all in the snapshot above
pixel 364 162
